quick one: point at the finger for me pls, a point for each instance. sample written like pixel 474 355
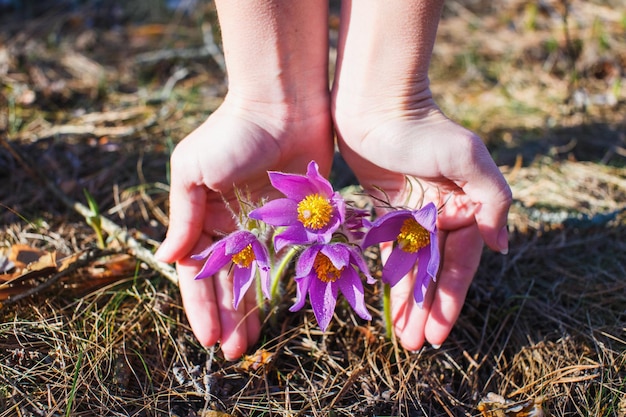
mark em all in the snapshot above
pixel 487 187
pixel 407 318
pixel 233 340
pixel 253 322
pixel 461 255
pixel 187 209
pixel 410 326
pixel 199 302
pixel 456 212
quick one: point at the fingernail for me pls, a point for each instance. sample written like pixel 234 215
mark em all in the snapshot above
pixel 435 346
pixel 503 240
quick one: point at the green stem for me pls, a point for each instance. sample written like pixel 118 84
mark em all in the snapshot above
pixel 70 400
pixel 387 311
pixel 101 242
pixel 280 271
pixel 260 301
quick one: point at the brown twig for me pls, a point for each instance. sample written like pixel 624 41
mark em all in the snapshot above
pixel 112 229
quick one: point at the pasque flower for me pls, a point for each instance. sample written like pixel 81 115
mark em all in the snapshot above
pixel 248 256
pixel 355 223
pixel 414 234
pixel 311 211
pixel 322 270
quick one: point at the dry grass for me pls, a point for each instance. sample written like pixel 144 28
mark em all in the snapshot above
pixel 544 327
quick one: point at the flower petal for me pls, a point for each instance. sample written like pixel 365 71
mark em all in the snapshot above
pixel 237 241
pixel 217 260
pixel 279 212
pixel 323 298
pixel 261 254
pixel 338 216
pixel 338 255
pixel 434 257
pixel 205 253
pixel 398 265
pixel 356 223
pixel 295 187
pixel 419 292
pixel 352 289
pixel 302 288
pixel 361 264
pixel 293 235
pixel 305 262
pixel 386 228
pixel 427 217
pixel 322 184
pixel 262 263
pixel 242 279
pixel 321 236
pixel 422 278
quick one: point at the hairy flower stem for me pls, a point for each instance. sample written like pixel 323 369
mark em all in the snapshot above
pixel 280 270
pixel 260 301
pixel 387 311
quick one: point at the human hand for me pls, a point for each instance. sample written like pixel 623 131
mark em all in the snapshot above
pixel 384 147
pixel 234 147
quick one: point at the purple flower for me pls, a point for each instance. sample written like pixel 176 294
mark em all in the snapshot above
pixel 322 270
pixel 312 211
pixel 355 223
pixel 414 234
pixel 248 256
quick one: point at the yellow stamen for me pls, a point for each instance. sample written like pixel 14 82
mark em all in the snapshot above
pixel 413 236
pixel 245 257
pixel 325 269
pixel 314 211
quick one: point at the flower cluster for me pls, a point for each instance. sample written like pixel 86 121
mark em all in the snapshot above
pixel 328 235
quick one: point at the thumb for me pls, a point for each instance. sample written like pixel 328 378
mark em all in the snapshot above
pixel 187 209
pixel 488 189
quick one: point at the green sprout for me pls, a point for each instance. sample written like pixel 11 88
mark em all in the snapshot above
pixel 94 219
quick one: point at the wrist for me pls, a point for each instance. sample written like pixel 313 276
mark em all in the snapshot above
pixel 398 98
pixel 276 52
pixel 283 108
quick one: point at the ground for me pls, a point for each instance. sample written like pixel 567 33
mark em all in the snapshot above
pixel 95 97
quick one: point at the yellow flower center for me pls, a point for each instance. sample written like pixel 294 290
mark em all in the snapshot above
pixel 245 257
pixel 314 211
pixel 413 236
pixel 325 269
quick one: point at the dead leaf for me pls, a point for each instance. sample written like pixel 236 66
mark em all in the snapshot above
pixel 32 267
pixel 495 405
pixel 24 256
pixel 255 361
pixel 114 266
pixel 28 263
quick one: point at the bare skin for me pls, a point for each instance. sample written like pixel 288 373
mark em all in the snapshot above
pixel 276 116
pixel 389 127
pixel 279 114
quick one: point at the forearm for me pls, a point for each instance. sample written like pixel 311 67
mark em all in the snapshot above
pixel 275 51
pixel 385 47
